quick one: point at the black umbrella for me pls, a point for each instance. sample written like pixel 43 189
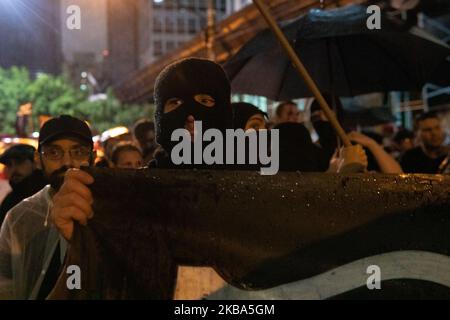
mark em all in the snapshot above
pixel 358 115
pixel 342 55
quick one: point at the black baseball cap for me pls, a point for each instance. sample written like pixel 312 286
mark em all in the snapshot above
pixel 65 126
pixel 17 152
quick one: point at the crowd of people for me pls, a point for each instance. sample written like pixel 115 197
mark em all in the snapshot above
pixel 50 193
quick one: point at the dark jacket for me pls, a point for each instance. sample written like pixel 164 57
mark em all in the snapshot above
pixel 299 153
pixel 416 161
pixel 24 189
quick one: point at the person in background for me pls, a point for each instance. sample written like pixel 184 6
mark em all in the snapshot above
pixel 32 248
pixel 428 156
pixel 5 188
pixel 110 139
pixel 126 155
pixel 144 134
pixel 402 142
pixel 297 150
pixel 287 111
pixel 299 153
pixel 247 116
pixel 24 177
pixel 327 137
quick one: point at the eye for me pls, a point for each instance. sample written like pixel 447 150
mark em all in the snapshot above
pixel 78 152
pixel 205 99
pixel 172 104
pixel 256 122
pixel 53 152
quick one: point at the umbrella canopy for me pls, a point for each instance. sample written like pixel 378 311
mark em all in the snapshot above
pixel 342 55
pixel 366 110
pixel 367 116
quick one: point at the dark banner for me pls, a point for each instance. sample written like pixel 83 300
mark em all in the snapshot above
pixel 289 236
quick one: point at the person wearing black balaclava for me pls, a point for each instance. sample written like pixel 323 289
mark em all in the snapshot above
pixel 189 90
pixel 185 91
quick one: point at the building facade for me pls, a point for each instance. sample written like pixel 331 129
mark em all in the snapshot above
pixel 111 44
pixel 174 22
pixel 85 50
pixel 236 5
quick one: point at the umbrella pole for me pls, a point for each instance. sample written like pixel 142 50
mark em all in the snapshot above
pixel 303 72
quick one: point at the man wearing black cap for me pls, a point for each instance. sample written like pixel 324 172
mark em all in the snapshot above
pixel 25 179
pixel 64 142
pixel 31 248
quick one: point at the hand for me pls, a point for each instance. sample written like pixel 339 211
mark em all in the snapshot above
pixel 189 126
pixel 354 160
pixel 335 162
pixel 361 139
pixel 72 202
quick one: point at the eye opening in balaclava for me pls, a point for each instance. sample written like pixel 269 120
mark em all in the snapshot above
pixel 184 80
pixel 204 99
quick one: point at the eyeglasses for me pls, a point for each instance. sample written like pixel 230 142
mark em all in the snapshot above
pixel 57 153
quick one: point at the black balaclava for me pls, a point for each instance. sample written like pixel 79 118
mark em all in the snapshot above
pixel 184 79
pixel 242 112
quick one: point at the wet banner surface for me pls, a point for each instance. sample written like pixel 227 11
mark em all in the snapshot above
pixel 289 236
